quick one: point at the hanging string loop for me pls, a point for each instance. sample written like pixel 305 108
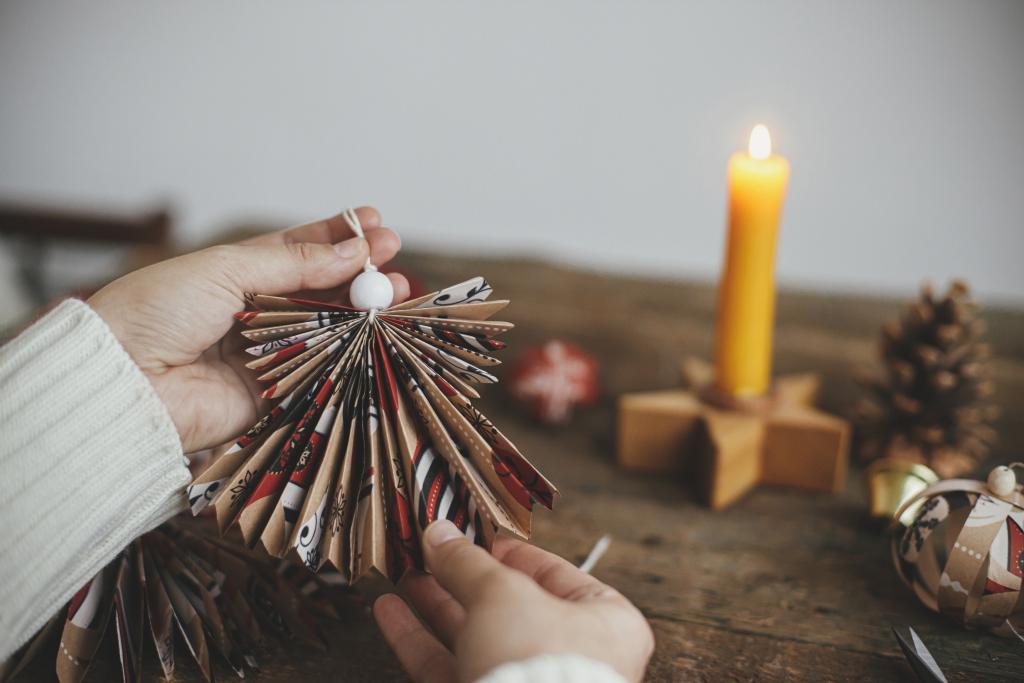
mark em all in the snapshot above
pixel 352 219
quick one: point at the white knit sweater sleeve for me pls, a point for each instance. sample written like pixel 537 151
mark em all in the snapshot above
pixel 89 459
pixel 561 668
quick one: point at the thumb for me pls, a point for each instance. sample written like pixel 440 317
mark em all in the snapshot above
pixel 465 570
pixel 288 268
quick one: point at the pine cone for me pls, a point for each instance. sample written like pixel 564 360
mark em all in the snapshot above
pixel 931 404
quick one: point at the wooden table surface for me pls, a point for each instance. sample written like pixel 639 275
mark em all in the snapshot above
pixel 784 585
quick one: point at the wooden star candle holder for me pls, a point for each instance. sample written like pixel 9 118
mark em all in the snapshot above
pixel 733 446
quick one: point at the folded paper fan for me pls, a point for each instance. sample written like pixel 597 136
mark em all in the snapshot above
pixel 220 597
pixel 373 435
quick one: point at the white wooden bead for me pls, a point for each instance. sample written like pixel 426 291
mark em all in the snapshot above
pixel 1002 481
pixel 371 290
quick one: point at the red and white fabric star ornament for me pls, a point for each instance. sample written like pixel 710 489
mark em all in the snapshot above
pixel 553 378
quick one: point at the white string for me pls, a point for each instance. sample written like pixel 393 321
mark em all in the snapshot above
pixel 599 549
pixel 353 222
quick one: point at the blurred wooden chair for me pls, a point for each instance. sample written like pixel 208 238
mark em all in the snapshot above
pixel 32 231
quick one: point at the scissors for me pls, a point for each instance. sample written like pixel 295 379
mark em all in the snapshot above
pixel 920 659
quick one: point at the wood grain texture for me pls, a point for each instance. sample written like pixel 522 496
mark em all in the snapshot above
pixel 785 585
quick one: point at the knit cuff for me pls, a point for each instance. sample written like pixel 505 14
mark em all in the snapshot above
pixel 560 668
pixel 90 460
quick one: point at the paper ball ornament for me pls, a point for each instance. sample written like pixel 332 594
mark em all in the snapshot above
pixel 176 579
pixel 373 435
pixel 963 555
pixel 554 378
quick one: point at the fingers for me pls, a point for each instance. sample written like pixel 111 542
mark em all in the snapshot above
pixel 327 231
pixel 465 570
pixel 422 656
pixel 554 574
pixel 286 268
pixel 434 604
pixel 401 286
pixel 384 242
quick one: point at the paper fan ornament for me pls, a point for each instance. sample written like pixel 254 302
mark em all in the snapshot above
pixel 177 586
pixel 373 435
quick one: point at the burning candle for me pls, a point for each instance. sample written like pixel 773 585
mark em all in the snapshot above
pixel 746 294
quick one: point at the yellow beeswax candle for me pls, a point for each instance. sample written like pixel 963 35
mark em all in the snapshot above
pixel 746 294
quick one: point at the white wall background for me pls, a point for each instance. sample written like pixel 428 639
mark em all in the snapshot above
pixel 594 132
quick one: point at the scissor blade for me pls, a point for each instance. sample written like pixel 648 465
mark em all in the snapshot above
pixel 920 659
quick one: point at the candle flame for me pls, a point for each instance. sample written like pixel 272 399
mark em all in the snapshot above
pixel 760 142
